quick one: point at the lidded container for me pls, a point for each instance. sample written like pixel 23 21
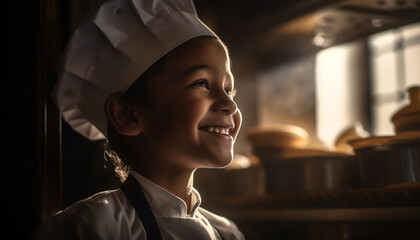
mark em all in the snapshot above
pixel 389 160
pixel 408 117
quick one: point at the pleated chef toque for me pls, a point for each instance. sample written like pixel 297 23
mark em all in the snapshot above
pixel 110 51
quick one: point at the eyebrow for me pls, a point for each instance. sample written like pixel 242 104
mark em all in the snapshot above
pixel 194 68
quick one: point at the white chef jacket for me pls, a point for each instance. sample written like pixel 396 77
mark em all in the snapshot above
pixel 110 215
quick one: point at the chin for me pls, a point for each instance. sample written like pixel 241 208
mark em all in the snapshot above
pixel 220 161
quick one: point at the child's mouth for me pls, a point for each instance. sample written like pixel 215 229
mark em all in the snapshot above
pixel 217 130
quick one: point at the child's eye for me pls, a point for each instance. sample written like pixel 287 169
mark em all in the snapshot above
pixel 230 92
pixel 202 83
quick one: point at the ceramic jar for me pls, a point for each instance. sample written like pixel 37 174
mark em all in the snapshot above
pixel 408 118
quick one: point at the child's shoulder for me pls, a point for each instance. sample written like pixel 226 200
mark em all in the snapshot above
pixel 90 217
pixel 104 207
pixel 103 200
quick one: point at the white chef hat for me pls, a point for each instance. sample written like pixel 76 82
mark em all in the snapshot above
pixel 109 52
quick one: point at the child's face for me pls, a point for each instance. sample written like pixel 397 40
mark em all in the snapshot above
pixel 190 101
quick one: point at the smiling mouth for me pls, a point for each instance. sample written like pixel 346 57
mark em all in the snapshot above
pixel 217 130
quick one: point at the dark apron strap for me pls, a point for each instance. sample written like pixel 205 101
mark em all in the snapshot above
pixel 135 195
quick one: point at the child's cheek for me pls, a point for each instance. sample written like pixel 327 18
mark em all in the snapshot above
pixel 238 122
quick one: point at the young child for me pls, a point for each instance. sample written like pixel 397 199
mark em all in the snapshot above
pixel 154 81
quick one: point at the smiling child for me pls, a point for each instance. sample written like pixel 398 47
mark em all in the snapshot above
pixel 164 102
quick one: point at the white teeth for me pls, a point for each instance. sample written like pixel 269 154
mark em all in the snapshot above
pixel 220 130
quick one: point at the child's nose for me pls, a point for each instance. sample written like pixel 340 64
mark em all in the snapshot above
pixel 225 104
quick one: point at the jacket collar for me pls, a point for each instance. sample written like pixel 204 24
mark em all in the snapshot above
pixel 165 204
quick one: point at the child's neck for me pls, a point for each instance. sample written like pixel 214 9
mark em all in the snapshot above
pixel 178 183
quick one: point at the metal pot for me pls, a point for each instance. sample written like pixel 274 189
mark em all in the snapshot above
pixel 311 173
pixel 388 160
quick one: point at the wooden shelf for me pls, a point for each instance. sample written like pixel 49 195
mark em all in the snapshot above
pixel 379 213
pixel 393 197
pixel 401 214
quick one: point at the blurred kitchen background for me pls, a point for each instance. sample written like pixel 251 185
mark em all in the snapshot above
pixel 310 74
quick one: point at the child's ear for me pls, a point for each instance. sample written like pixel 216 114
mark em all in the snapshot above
pixel 124 117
